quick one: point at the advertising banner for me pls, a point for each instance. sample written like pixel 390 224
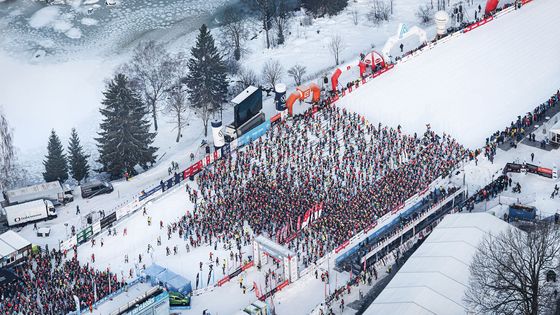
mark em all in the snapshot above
pixel 84 235
pixel 108 220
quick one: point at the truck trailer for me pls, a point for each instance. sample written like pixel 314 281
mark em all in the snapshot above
pixel 30 211
pixel 52 191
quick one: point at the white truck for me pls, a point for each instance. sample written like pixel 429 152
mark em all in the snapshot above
pixel 30 211
pixel 52 191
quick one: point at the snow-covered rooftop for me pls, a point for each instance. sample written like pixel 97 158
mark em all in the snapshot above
pixel 434 278
pixel 11 242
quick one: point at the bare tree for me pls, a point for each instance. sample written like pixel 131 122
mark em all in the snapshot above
pixel 152 71
pixel 272 72
pixel 379 12
pixel 425 13
pixel 335 46
pixel 248 77
pixel 509 272
pixel 297 72
pixel 355 16
pixel 177 107
pixel 266 10
pixel 234 32
pixel 7 153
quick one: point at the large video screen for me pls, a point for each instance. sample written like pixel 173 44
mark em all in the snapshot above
pixel 248 108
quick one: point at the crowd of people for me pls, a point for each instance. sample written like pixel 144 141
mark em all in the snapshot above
pixel 517 129
pixel 48 281
pixel 356 170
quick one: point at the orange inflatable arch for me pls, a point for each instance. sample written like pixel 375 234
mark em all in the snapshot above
pixel 301 94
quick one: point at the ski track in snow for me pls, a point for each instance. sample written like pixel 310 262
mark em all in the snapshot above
pixel 473 85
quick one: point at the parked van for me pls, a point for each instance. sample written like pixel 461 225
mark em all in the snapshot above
pixel 95 188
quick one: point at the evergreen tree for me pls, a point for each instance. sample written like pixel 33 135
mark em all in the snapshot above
pixel 322 7
pixel 56 167
pixel 125 140
pixel 79 167
pixel 206 81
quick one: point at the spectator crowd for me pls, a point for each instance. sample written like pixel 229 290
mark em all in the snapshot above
pixel 48 281
pixel 355 170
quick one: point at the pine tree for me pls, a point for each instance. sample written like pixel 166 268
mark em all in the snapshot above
pixel 206 81
pixel 125 140
pixel 79 167
pixel 321 7
pixel 56 167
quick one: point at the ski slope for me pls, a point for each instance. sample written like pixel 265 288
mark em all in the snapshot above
pixel 473 85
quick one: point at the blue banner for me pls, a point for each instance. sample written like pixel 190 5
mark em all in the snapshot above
pixel 254 133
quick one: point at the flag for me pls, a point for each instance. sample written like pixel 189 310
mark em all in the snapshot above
pixel 256 288
pixel 77 301
pixel 291 227
pixel 94 290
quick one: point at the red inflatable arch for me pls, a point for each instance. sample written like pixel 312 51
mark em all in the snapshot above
pixel 301 94
pixel 491 6
pixel 372 59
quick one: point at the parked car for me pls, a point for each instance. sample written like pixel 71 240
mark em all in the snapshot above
pixel 178 299
pixel 95 188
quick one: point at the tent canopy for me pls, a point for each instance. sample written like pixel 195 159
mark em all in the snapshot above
pixel 171 280
pixel 153 271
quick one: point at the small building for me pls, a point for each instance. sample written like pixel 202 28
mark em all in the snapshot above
pixel 13 248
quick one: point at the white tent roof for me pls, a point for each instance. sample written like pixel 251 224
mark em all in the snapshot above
pixel 434 278
pixel 555 128
pixel 11 242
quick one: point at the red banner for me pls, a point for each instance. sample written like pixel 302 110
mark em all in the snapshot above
pixel 371 226
pixel 223 281
pixel 276 117
pixel 341 247
pixel 248 265
pixel 477 24
pixel 282 285
pixel 398 208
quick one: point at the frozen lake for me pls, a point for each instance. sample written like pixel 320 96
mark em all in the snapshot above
pixel 91 26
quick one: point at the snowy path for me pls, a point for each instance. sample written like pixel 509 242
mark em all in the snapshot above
pixel 473 85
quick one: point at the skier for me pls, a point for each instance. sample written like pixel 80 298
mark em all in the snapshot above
pixel 77 209
pixel 402 47
pixel 532 156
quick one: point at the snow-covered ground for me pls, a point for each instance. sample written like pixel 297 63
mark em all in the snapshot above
pixel 470 109
pixel 67 75
pixel 536 190
pixel 473 85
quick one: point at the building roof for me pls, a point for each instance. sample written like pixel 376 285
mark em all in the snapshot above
pixel 434 279
pixel 11 242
